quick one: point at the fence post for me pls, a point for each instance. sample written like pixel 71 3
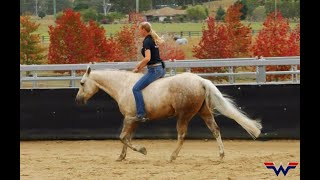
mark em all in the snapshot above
pixel 171 69
pixel 189 34
pixel 73 75
pixel 20 79
pixel 181 33
pixel 261 73
pixel 231 77
pixel 34 82
pixel 42 39
pixel 294 76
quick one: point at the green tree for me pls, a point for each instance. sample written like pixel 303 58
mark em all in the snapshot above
pixel 145 5
pixel 251 5
pixel 244 9
pixel 41 14
pixel 197 12
pixel 220 14
pixel 60 6
pixel 26 7
pixel 89 14
pixel 289 9
pixel 111 16
pixel 31 51
pixel 123 6
pixel 259 14
pixel 79 5
pixel 29 6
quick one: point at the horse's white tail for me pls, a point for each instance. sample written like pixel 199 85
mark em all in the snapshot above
pixel 215 99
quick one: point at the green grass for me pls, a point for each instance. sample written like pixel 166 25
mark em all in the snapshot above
pixel 158 27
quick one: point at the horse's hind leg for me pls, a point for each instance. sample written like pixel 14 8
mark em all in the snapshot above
pixel 208 118
pixel 182 126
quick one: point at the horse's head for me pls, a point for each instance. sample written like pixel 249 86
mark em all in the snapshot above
pixel 87 88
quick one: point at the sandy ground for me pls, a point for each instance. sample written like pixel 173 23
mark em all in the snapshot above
pixel 198 159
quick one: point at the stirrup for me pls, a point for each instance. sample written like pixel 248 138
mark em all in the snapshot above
pixel 141 119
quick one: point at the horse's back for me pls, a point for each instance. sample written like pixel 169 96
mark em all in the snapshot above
pixel 176 94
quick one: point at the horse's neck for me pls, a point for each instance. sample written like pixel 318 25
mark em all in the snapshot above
pixel 110 81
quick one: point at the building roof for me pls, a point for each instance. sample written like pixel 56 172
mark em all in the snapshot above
pixel 166 11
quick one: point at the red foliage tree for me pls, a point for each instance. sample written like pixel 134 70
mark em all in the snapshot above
pixel 127 38
pixel 275 40
pixel 240 35
pixel 294 42
pixel 114 51
pixel 70 41
pixel 169 50
pixel 215 43
pixel 104 49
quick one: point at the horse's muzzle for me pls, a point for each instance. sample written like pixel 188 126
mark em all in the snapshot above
pixel 80 100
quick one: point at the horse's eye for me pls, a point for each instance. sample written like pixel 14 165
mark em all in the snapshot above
pixel 81 83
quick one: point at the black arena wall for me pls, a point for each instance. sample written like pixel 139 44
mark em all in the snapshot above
pixel 47 114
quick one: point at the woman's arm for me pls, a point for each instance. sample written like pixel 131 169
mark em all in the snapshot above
pixel 144 61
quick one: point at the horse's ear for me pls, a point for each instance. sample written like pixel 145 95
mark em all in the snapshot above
pixel 88 70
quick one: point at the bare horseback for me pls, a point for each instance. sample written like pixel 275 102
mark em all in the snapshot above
pixel 149 96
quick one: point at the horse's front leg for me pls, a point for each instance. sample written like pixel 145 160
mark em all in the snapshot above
pixel 128 127
pixel 124 149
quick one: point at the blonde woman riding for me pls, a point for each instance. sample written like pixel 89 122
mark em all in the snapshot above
pixel 155 65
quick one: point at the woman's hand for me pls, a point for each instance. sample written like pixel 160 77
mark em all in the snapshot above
pixel 135 70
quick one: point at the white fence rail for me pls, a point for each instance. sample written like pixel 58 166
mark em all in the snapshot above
pixel 172 67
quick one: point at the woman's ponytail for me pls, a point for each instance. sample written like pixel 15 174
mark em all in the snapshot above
pixel 158 40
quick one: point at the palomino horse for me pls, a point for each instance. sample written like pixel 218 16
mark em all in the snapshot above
pixel 181 96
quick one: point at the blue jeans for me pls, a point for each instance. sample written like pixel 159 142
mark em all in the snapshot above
pixel 153 74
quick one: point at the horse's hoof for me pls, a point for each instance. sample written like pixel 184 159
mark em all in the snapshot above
pixel 120 159
pixel 172 158
pixel 143 150
pixel 221 156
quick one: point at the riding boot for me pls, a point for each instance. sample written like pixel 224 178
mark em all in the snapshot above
pixel 141 119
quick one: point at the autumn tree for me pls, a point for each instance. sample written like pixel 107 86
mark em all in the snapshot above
pixel 105 50
pixel 214 43
pixel 275 40
pixel 294 42
pixel 71 42
pixel 128 37
pixel 239 34
pixel 31 51
pixel 169 50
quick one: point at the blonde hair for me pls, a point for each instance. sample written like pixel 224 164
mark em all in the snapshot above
pixel 147 26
